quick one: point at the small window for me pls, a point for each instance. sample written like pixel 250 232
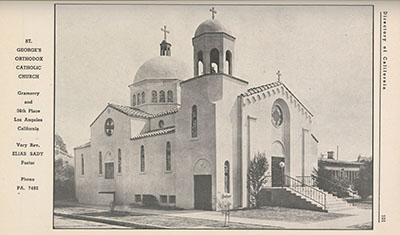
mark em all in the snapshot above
pixel 168 157
pixel 163 198
pixel 82 165
pixel 170 96
pixel 172 199
pixel 109 170
pixel 162 96
pixel 119 161
pixel 161 124
pixel 154 97
pixel 142 159
pixel 143 98
pixel 226 177
pixel 134 100
pixel 138 98
pixel 194 121
pixel 100 163
pixel 138 198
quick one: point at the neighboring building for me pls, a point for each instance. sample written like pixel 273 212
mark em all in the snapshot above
pixel 66 158
pixel 187 141
pixel 341 169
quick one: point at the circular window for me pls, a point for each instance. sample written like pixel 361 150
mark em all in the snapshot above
pixel 109 127
pixel 161 124
pixel 277 116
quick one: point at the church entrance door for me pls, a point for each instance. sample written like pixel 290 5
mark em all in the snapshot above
pixel 202 192
pixel 277 171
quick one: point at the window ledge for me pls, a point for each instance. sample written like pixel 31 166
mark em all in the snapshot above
pixel 168 172
pixel 100 175
pixel 142 173
pixel 194 139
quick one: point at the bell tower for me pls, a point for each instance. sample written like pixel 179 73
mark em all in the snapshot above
pixel 165 47
pixel 213 48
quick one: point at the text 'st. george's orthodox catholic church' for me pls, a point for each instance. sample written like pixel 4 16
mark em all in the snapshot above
pixel 184 142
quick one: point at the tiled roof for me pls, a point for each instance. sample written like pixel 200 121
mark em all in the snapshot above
pixel 155 133
pixel 83 146
pixel 135 112
pixel 261 88
pixel 130 111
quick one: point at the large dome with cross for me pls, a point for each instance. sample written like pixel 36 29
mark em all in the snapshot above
pixel 162 67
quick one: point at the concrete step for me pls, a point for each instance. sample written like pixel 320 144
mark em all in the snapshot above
pixel 333 203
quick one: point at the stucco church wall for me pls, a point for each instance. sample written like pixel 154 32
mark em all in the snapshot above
pixel 169 120
pixel 263 134
pixel 158 181
pixel 191 150
pixel 227 115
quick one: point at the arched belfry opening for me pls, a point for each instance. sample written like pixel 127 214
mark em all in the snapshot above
pixel 228 62
pixel 217 46
pixel 214 61
pixel 200 63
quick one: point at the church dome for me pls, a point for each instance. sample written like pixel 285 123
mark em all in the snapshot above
pixel 211 26
pixel 162 67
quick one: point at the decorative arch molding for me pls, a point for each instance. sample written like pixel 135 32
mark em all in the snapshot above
pixel 109 156
pixel 278 149
pixel 202 167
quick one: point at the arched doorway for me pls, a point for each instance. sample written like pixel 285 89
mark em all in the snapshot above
pixel 280 147
pixel 202 185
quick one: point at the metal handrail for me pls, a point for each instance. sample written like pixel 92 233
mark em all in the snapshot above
pixel 307 191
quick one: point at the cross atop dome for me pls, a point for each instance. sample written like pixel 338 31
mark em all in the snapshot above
pixel 213 12
pixel 165 47
pixel 165 32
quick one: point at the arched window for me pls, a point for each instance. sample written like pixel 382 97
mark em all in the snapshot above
pixel 200 67
pixel 134 100
pixel 154 97
pixel 226 176
pixel 170 96
pixel 162 96
pixel 100 163
pixel 214 61
pixel 82 165
pixel 138 98
pixel 168 157
pixel 119 161
pixel 143 99
pixel 228 62
pixel 194 121
pixel 142 166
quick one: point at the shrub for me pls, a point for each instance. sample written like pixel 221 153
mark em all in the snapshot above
pixel 256 178
pixel 363 183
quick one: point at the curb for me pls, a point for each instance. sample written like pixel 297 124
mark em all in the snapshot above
pixel 110 221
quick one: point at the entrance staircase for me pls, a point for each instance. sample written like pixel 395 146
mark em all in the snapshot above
pixel 321 199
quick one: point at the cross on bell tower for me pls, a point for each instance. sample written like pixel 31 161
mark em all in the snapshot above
pixel 165 47
pixel 213 12
pixel 165 32
pixel 279 75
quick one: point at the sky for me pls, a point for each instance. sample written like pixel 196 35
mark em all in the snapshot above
pixel 324 55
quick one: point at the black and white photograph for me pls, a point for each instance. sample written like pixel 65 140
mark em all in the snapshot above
pixel 213 116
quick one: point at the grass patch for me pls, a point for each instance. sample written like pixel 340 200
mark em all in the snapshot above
pixel 286 214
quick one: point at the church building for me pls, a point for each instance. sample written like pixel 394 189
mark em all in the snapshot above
pixel 186 142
